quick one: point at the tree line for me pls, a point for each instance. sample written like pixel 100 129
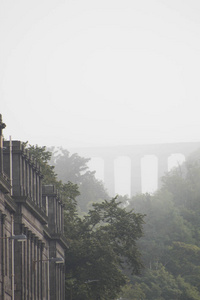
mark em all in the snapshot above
pixel 102 237
pixel 149 249
pixel 170 245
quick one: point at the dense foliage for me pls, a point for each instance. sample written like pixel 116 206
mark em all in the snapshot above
pixel 101 243
pixel 171 242
pixel 73 168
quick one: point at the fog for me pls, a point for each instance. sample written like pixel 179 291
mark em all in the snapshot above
pixel 122 172
pixel 100 73
pixel 90 73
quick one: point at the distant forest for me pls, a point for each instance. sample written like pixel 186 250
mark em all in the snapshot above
pixel 169 243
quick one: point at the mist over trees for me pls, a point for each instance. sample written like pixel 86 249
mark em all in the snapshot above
pixel 74 168
pixel 105 243
pixel 170 245
pixel 101 242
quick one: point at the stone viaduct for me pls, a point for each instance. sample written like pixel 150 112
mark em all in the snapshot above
pixel 135 153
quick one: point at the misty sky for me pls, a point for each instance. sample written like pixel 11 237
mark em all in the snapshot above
pixel 100 72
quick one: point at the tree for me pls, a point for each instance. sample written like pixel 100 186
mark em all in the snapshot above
pixel 133 292
pixel 170 245
pixel 73 168
pixel 43 157
pixel 100 244
pixel 159 284
pixel 68 191
pixel 163 225
pixel 185 262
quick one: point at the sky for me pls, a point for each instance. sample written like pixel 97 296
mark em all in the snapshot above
pixel 80 73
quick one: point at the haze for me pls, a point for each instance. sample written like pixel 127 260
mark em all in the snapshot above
pixel 100 73
pixel 90 73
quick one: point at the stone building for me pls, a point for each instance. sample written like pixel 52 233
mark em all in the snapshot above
pixel 31 269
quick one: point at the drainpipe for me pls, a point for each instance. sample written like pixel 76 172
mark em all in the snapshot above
pixel 12 251
pixel 48 279
pixel 3 216
pixel 2 126
pixel 11 179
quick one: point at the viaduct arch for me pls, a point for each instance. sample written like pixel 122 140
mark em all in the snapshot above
pixel 136 153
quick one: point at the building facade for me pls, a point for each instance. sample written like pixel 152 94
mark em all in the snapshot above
pixel 32 269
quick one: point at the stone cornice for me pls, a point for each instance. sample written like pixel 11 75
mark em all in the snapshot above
pixel 10 204
pixel 32 207
pixel 58 237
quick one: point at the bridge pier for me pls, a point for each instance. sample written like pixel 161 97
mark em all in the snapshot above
pixel 136 152
pixel 136 172
pixel 162 167
pixel 109 174
pixel 136 176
